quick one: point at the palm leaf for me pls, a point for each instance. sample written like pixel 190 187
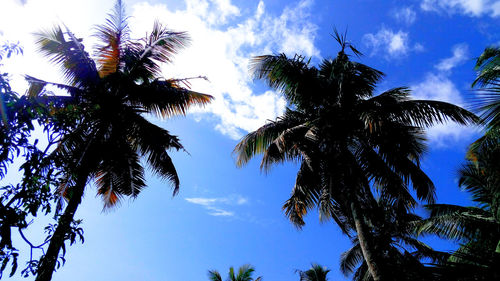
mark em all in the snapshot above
pixel 488 65
pixel 165 98
pixel 214 275
pixel 350 259
pixel 113 37
pixel 78 68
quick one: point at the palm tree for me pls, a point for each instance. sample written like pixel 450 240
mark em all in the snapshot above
pixel 110 92
pixel 315 273
pixel 476 228
pixel 395 236
pixel 346 140
pixel 488 102
pixel 245 273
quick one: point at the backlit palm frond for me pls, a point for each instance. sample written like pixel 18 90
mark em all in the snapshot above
pixel 245 273
pixel 304 197
pixel 258 141
pixel 390 182
pixel 289 145
pixel 166 98
pixel 488 65
pixel 289 76
pixel 69 53
pixel 424 251
pixel 348 79
pixel 214 275
pixel 113 36
pixel 162 165
pixel 477 179
pixel 37 88
pixel 351 259
pixel 457 222
pixel 422 113
pixel 488 103
pixel 154 142
pixel 315 273
pixel 362 273
pixel 158 47
pixel 120 173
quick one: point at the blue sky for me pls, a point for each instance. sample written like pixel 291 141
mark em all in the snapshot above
pixel 226 216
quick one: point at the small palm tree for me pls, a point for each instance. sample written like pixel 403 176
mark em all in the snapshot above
pixel 111 91
pixel 245 273
pixel 315 273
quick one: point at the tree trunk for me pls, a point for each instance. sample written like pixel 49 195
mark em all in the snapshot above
pixel 364 241
pixel 48 261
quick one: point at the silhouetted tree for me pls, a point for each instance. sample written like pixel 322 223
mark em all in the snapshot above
pixel 346 140
pixel 111 91
pixel 244 273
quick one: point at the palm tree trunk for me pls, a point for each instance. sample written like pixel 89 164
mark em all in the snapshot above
pixel 364 238
pixel 48 261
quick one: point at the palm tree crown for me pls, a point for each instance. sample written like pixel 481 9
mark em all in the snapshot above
pixel 346 139
pixel 244 273
pixel 110 92
pixel 315 273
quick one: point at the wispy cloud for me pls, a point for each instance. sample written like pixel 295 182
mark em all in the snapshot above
pixel 405 15
pixel 460 55
pixel 474 8
pixel 217 206
pixel 392 44
pixel 439 86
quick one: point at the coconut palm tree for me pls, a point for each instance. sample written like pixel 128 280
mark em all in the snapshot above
pixel 476 228
pixel 111 91
pixel 245 273
pixel 488 84
pixel 346 140
pixel 394 234
pixel 315 273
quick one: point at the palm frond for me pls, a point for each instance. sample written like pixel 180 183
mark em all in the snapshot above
pixel 69 53
pixel 166 98
pixel 289 76
pixel 258 141
pixel 457 222
pixel 119 174
pixel 351 259
pixel 158 47
pixel 422 113
pixel 214 275
pixel 113 37
pixel 304 197
pixel 154 142
pixel 488 65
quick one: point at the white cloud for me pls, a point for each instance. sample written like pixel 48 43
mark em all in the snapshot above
pixel 222 52
pixel 441 88
pixel 224 38
pixel 474 8
pixel 202 201
pixel 405 15
pixel 460 54
pixel 438 86
pixel 214 11
pixel 213 205
pixel 393 44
